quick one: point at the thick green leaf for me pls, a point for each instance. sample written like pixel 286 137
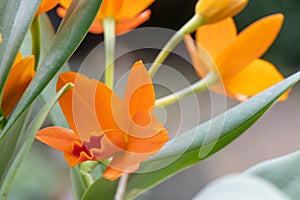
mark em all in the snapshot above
pixel 15 19
pixel 282 172
pixel 9 144
pixel 47 34
pixel 237 187
pixel 30 132
pixel 106 189
pixel 205 140
pixel 75 26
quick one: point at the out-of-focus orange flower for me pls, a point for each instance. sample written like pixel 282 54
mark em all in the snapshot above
pixel 216 10
pixel 105 126
pixel 236 57
pixel 46 5
pixel 18 79
pixel 128 14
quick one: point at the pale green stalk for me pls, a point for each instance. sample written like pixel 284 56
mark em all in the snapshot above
pixel 121 187
pixel 189 27
pixel 109 43
pixel 199 86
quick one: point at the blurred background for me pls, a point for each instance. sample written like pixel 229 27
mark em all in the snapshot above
pixel 45 174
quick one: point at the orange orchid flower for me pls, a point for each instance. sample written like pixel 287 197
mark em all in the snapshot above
pixel 236 56
pixel 128 14
pixel 18 79
pixel 46 5
pixel 105 126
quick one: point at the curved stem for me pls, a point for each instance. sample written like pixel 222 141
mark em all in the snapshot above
pixel 199 86
pixel 36 40
pixel 121 187
pixel 109 43
pixel 86 169
pixel 189 27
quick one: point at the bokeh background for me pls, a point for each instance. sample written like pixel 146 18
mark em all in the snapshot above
pixel 45 175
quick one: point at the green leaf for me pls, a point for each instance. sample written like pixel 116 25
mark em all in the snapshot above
pixel 15 19
pixel 282 172
pixel 236 187
pixel 9 143
pixel 205 140
pixel 47 34
pixel 30 132
pixel 106 189
pixel 77 183
pixel 74 27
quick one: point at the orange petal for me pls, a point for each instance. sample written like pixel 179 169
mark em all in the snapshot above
pixel 61 11
pixel 217 36
pixel 19 78
pixel 139 94
pixel 256 77
pixel 65 3
pixel 78 103
pixel 108 106
pixel 120 164
pixel 57 137
pixel 131 8
pixel 127 25
pixel 18 57
pixel 46 5
pixel 110 8
pixel 201 59
pixel 97 27
pixel 150 145
pixel 252 43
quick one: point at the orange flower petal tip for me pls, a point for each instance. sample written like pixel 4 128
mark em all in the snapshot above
pixel 216 10
pixel 46 5
pixel 112 174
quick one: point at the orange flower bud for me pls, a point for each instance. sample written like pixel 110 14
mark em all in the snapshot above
pixel 215 10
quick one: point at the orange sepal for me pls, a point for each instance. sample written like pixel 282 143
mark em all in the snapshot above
pixel 19 78
pixel 46 5
pixel 217 36
pixel 139 94
pixel 256 77
pixel 250 44
pixel 131 8
pixel 127 25
pixel 57 137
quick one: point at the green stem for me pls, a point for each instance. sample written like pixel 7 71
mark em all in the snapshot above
pixel 36 40
pixel 199 86
pixel 3 120
pixel 109 43
pixel 189 27
pixel 86 169
pixel 121 187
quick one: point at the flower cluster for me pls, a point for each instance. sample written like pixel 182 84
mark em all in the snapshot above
pixel 123 132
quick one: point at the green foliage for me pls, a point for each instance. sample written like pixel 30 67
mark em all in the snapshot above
pixel 205 140
pixel 30 132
